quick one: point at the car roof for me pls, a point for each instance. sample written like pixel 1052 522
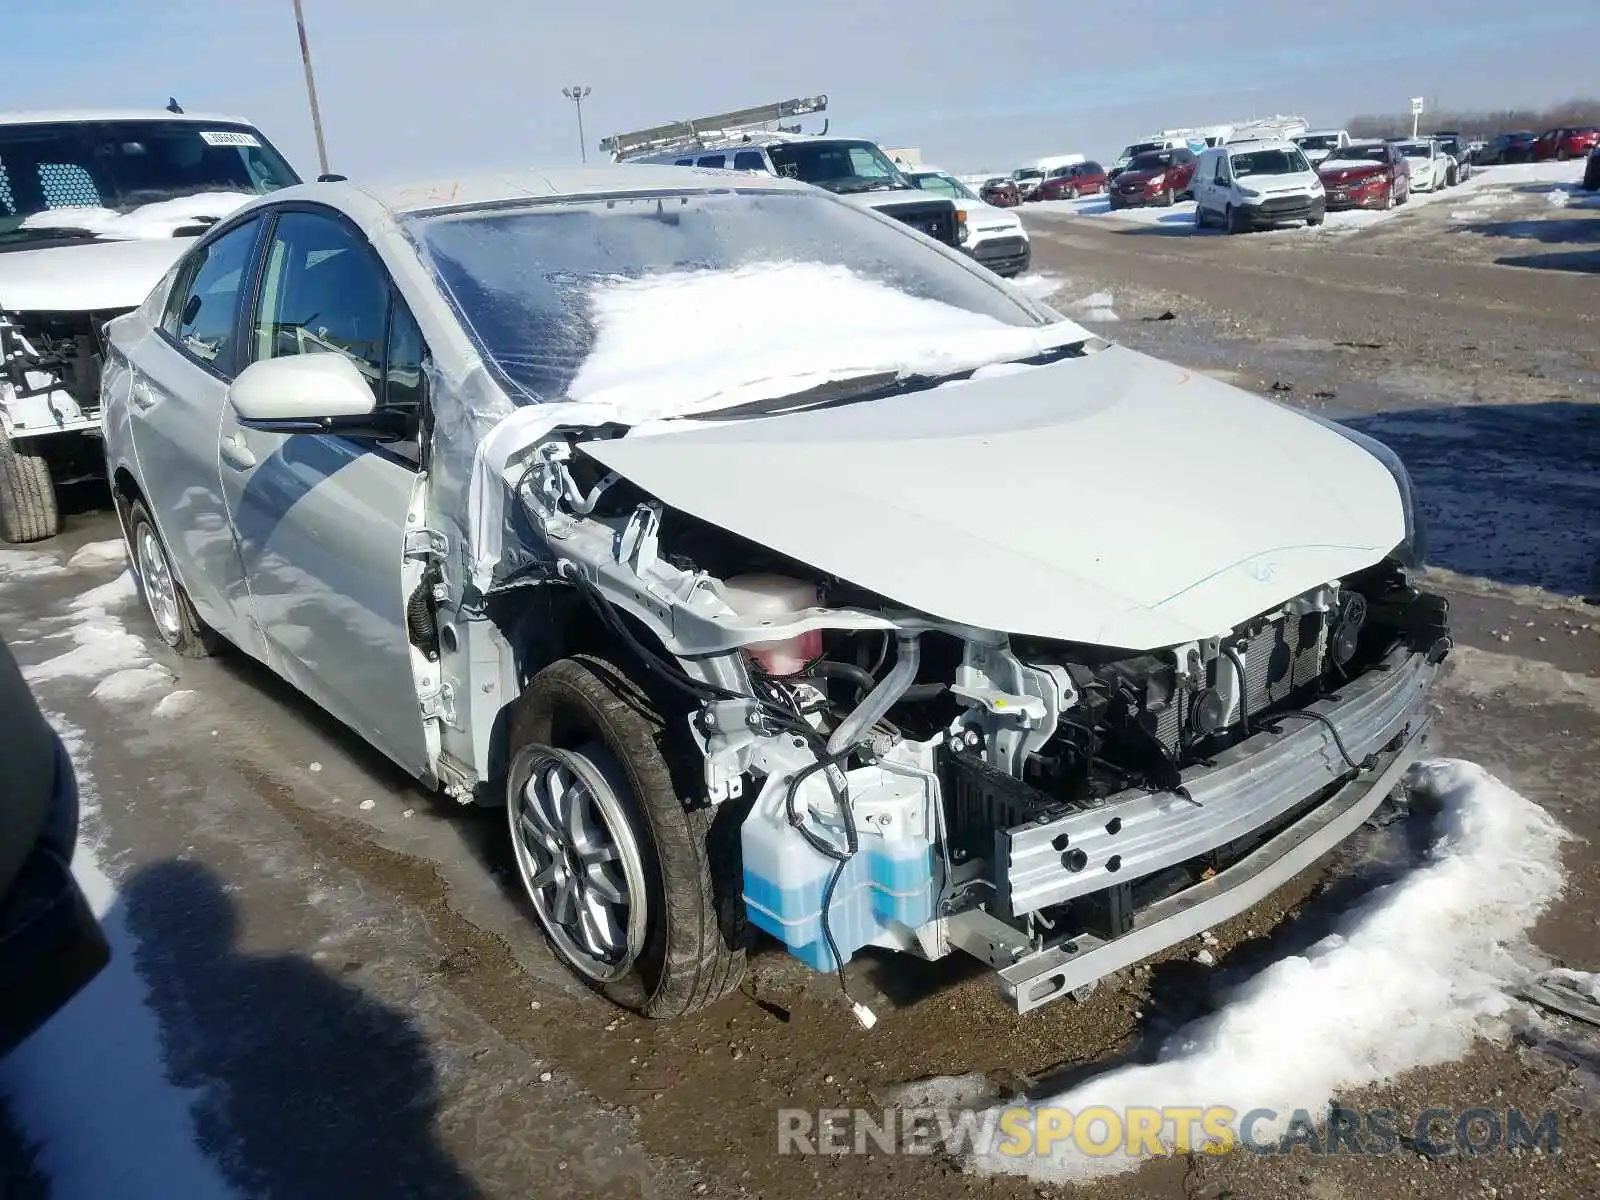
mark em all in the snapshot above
pixel 576 183
pixel 85 115
pixel 1261 144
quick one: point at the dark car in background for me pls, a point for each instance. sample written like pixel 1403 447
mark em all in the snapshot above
pixel 1154 177
pixel 1566 141
pixel 1068 183
pixel 1001 191
pixel 1511 147
pixel 1453 144
pixel 51 946
pixel 1365 175
pixel 1591 171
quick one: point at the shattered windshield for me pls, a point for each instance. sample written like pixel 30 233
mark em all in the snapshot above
pixel 838 166
pixel 565 296
pixel 51 171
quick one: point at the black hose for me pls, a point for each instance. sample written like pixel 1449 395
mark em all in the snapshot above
pixel 1304 714
pixel 827 668
pixel 1366 765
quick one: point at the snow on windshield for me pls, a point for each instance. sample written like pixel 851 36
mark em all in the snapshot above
pixel 157 220
pixel 780 328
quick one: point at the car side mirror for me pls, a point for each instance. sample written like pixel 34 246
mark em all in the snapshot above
pixel 312 393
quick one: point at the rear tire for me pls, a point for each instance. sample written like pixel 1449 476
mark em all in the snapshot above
pixel 170 607
pixel 28 510
pixel 1168 198
pixel 685 947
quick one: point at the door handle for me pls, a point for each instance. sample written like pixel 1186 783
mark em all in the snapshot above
pixel 236 453
pixel 141 397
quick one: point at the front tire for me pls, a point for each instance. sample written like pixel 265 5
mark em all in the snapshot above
pixel 28 509
pixel 1235 220
pixel 170 607
pixel 648 872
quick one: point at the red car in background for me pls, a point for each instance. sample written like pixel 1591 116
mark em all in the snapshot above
pixel 1366 175
pixel 1001 192
pixel 1154 177
pixel 1080 179
pixel 1564 142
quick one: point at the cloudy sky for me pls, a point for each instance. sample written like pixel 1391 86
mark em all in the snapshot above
pixel 419 86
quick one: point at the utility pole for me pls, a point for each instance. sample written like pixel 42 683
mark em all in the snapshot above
pixel 311 87
pixel 576 94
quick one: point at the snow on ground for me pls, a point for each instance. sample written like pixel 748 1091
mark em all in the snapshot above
pixel 99 554
pixel 1037 286
pixel 89 1089
pixel 1095 307
pixel 1411 977
pixel 175 704
pixel 100 646
pixel 118 591
pixel 17 565
pixel 1488 187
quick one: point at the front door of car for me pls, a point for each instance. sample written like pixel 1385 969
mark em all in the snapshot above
pixel 320 519
pixel 176 398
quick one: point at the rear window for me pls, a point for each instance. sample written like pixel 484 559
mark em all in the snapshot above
pixel 1091 168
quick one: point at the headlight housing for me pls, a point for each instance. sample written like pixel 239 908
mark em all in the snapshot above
pixel 1413 550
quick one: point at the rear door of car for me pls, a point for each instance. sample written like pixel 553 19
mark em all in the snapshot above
pixel 321 519
pixel 176 398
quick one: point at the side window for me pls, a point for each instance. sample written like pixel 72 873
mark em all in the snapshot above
pixel 712 160
pixel 749 160
pixel 1222 170
pixel 405 360
pixel 683 162
pixel 322 292
pixel 202 307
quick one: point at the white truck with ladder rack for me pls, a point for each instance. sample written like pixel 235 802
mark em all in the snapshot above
pixel 754 139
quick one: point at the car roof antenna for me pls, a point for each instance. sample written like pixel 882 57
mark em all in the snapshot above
pixel 173 106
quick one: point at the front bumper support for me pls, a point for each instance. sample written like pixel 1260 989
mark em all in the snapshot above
pixel 1255 786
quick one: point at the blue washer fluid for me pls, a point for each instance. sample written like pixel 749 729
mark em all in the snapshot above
pixel 889 882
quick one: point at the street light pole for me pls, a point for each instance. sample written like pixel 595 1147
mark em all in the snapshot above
pixel 576 94
pixel 311 87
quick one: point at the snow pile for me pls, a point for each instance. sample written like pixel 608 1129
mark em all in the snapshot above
pixel 1558 197
pixel 131 683
pixel 1037 286
pixel 175 704
pixel 1096 307
pixel 1413 974
pixel 650 358
pixel 101 647
pixel 90 1088
pixel 119 591
pixel 157 220
pixel 94 555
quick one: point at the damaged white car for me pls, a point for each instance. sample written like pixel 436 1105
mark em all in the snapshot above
pixel 94 208
pixel 778 569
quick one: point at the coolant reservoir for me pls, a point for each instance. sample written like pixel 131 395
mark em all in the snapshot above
pixel 776 596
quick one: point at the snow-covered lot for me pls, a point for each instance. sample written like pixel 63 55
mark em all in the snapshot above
pixel 1487 188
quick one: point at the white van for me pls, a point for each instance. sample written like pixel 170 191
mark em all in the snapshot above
pixel 1247 185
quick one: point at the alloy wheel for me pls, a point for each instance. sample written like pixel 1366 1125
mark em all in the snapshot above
pixel 159 587
pixel 578 857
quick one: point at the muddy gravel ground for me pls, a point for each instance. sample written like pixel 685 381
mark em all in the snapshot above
pixel 345 975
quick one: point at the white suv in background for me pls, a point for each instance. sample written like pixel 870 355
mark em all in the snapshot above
pixel 1247 185
pixel 992 236
pixel 95 207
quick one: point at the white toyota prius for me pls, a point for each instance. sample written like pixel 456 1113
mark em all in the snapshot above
pixel 778 568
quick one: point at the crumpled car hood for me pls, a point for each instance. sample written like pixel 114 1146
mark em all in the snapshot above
pixel 1112 499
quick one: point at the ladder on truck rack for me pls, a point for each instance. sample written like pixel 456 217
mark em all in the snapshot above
pixel 693 135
